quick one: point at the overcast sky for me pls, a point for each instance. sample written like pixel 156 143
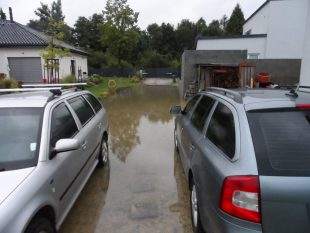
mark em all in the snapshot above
pixel 171 11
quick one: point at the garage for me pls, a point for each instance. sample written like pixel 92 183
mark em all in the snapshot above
pixel 25 69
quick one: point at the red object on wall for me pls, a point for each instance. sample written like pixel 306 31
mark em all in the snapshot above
pixel 263 78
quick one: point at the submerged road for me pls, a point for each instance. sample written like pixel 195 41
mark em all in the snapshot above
pixel 143 189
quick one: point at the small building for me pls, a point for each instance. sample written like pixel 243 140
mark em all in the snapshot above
pixel 273 42
pixel 21 56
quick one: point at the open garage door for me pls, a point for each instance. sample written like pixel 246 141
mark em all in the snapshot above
pixel 26 69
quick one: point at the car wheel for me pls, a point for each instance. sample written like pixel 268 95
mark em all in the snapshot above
pixel 40 225
pixel 197 227
pixel 103 153
pixel 176 144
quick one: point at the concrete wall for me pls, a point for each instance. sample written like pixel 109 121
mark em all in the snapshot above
pixel 259 23
pixel 305 69
pixel 282 71
pixel 65 62
pixel 191 58
pixel 252 45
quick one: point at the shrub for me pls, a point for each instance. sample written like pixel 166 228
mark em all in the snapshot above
pixel 68 79
pixel 9 83
pixel 135 79
pixel 96 79
pixel 103 95
pixel 90 83
pixel 2 76
pixel 112 85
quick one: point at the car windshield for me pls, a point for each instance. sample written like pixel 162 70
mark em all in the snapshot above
pixel 281 141
pixel 19 137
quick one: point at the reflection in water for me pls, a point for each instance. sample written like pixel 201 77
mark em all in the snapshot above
pixel 86 211
pixel 127 108
pixel 147 190
pixel 183 204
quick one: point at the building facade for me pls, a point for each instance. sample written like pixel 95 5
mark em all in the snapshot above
pixel 21 59
pixel 305 68
pixel 275 31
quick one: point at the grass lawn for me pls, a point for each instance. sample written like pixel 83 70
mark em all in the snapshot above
pixel 103 86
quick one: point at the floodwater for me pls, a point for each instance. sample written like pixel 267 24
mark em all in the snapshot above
pixel 143 190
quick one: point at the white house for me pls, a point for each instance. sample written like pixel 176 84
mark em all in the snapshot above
pixel 20 55
pixel 305 67
pixel 275 31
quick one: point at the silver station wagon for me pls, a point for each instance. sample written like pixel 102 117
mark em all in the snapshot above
pixel 246 154
pixel 51 142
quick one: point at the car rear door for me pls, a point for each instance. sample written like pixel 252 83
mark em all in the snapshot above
pixel 192 132
pixel 181 123
pixel 281 139
pixel 88 133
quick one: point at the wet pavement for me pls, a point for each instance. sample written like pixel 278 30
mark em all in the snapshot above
pixel 144 188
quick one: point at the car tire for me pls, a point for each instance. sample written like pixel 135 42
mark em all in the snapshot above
pixel 40 224
pixel 103 157
pixel 194 204
pixel 176 144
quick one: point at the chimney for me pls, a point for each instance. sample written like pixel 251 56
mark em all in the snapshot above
pixel 11 14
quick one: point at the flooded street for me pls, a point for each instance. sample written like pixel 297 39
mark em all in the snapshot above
pixel 144 188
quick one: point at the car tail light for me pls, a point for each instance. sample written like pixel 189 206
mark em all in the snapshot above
pixel 241 197
pixel 303 106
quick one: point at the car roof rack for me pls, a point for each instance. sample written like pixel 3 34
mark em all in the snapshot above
pixel 12 90
pixel 303 89
pixel 236 96
pixel 61 85
pixel 54 89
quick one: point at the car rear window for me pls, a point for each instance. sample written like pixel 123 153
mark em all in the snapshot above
pixel 281 141
pixel 221 130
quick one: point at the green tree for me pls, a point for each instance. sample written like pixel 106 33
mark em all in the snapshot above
pixel 202 27
pixel 47 14
pixel 185 35
pixel 236 21
pixel 56 11
pixel 214 29
pixel 223 23
pixel 87 32
pixel 44 14
pixel 119 33
pixel 53 51
pixel 153 59
pixel 2 14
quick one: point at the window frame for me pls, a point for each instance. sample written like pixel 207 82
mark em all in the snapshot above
pixel 208 117
pixel 77 117
pixel 190 113
pixel 237 130
pixel 78 125
pixel 91 104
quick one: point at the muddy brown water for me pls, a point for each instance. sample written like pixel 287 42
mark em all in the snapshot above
pixel 144 188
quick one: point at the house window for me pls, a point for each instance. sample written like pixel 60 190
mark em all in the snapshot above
pixel 72 67
pixel 253 56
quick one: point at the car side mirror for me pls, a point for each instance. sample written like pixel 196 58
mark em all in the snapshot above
pixel 65 145
pixel 176 110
